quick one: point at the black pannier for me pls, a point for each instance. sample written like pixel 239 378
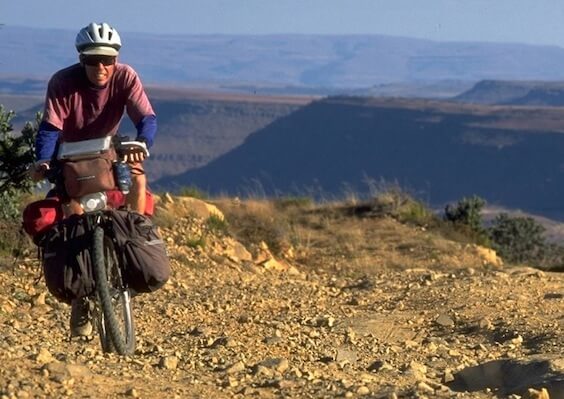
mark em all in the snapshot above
pixel 66 260
pixel 66 255
pixel 139 242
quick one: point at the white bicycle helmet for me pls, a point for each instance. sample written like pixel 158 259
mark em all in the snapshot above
pixel 98 39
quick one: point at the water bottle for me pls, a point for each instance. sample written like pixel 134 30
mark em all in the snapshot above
pixel 123 176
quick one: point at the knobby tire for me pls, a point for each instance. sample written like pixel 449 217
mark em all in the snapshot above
pixel 111 334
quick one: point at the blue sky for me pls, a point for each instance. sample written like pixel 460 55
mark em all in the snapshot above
pixel 522 21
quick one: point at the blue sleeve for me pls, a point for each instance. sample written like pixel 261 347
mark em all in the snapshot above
pixel 147 129
pixel 46 141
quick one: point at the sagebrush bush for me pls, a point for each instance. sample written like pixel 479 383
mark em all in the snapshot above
pixel 467 212
pixel 518 239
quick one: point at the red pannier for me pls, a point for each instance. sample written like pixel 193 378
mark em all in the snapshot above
pixel 40 215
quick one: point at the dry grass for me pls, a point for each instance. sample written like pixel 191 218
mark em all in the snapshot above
pixel 389 231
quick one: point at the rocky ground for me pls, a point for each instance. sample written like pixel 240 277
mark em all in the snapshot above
pixel 237 322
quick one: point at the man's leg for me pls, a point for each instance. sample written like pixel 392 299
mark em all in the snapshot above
pixel 81 317
pixel 136 199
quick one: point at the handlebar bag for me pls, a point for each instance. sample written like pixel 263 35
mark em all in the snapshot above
pixel 90 175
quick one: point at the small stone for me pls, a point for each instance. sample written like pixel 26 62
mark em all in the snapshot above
pixel 39 299
pixel 416 369
pixel 424 387
pixel 261 370
pixel 411 344
pixel 132 392
pixel 444 320
pixel 363 390
pixel 379 365
pixel 285 384
pixel 44 356
pixel 278 364
pixel 346 356
pixel 235 368
pixel 454 353
pixel 485 324
pixel 536 394
pixel 168 362
pixel 330 321
pixel 272 340
pixel 346 383
pixel 230 382
pixel 518 340
pixel 448 376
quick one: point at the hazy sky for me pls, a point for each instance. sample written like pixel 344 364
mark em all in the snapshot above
pixel 524 21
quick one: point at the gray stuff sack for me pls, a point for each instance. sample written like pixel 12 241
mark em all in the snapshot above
pixel 141 247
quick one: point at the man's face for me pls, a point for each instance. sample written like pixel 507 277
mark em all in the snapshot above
pixel 99 68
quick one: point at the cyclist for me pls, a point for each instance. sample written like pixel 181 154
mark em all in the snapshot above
pixel 87 100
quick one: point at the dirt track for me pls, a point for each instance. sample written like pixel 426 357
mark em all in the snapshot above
pixel 224 329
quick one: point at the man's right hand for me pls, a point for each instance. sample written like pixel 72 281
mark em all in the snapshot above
pixel 37 171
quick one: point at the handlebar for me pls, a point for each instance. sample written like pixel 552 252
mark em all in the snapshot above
pixel 125 148
pixel 128 151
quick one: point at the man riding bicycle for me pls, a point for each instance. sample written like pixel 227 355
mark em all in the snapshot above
pixel 86 101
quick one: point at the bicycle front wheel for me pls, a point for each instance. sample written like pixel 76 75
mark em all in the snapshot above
pixel 115 318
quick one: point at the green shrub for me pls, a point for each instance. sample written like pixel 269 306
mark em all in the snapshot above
pixel 16 156
pixel 16 153
pixel 414 212
pixel 398 204
pixel 217 225
pixel 467 212
pixel 518 239
pixel 194 242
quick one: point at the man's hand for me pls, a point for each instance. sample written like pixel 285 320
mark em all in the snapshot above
pixel 134 157
pixel 37 171
pixel 134 151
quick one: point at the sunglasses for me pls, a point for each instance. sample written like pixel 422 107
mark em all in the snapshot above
pixel 95 60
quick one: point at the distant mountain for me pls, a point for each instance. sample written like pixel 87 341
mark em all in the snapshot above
pixel 539 93
pixel 193 130
pixel 288 61
pixel 194 127
pixel 511 156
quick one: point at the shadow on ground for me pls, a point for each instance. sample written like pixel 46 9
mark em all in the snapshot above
pixel 511 376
